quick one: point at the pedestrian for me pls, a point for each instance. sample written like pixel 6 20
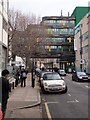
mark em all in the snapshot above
pixel 56 69
pixel 6 88
pixel 1 115
pixel 85 70
pixel 23 77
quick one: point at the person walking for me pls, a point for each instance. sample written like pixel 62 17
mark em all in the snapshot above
pixel 6 88
pixel 23 77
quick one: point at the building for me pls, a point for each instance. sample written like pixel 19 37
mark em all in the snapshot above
pixel 79 13
pixel 3 33
pixel 10 29
pixel 60 41
pixel 51 42
pixel 82 44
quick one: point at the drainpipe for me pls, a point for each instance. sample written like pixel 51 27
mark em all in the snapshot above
pixel 81 47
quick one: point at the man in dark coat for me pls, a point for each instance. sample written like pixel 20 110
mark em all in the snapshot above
pixel 6 88
pixel 23 77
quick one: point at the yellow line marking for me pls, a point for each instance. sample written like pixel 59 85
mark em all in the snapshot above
pixel 48 112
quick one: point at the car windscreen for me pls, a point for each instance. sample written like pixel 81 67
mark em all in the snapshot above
pixel 51 76
pixel 61 71
pixel 81 73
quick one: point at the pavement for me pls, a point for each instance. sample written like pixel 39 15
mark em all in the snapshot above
pixel 24 102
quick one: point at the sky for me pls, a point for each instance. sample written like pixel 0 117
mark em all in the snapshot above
pixel 47 7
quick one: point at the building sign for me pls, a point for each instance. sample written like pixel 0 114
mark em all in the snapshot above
pixel 75 44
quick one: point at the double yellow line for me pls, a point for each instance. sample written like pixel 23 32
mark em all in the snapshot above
pixel 47 111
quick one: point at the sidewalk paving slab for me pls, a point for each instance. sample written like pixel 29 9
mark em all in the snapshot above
pixel 22 97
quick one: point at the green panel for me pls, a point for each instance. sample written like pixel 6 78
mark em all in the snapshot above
pixel 79 13
pixel 51 31
pixel 68 31
pixel 59 31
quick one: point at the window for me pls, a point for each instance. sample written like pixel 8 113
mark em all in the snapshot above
pixel 85 49
pixel 60 48
pixel 5 26
pixel 84 36
pixel 72 23
pixel 64 31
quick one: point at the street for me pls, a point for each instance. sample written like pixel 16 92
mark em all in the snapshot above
pixel 73 104
pixel 40 42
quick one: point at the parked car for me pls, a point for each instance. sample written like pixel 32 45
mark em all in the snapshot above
pixel 41 77
pixel 52 82
pixel 80 76
pixel 62 72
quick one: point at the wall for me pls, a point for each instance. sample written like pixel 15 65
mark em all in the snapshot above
pixel 85 42
pixel 3 34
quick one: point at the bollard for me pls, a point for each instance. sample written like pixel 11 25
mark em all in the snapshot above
pixel 33 82
pixel 13 85
pixel 33 78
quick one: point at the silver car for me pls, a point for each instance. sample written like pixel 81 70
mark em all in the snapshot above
pixel 80 76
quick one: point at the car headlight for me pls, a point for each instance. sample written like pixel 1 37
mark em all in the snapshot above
pixel 45 84
pixel 80 77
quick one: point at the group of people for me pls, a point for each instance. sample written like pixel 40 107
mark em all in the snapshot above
pixel 20 76
pixel 6 87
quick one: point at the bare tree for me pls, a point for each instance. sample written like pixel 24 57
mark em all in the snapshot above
pixel 25 34
pixel 25 42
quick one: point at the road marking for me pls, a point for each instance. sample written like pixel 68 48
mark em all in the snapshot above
pixel 76 100
pixel 87 87
pixel 47 111
pixel 52 102
pixel 69 94
pixel 73 101
pixel 78 83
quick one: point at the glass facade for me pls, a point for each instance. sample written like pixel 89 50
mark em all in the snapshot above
pixel 57 31
pixel 60 40
pixel 59 23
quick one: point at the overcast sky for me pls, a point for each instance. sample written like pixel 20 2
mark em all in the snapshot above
pixel 47 7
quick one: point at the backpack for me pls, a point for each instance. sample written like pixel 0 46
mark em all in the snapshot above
pixel 24 74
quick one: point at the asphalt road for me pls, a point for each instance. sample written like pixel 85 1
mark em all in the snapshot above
pixel 73 104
